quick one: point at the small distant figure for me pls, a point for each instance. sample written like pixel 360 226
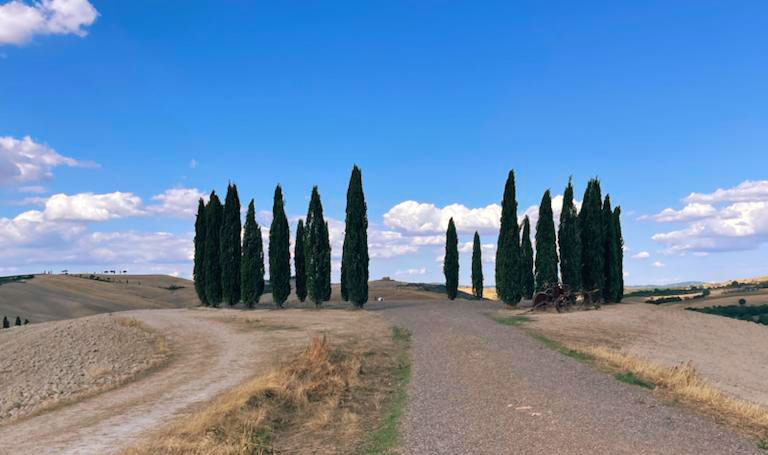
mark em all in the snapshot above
pixel 18 321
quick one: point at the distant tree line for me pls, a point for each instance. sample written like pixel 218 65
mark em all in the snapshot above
pixel 588 248
pixel 229 267
pixel 7 324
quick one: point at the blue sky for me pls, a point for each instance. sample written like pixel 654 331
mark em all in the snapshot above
pixel 115 116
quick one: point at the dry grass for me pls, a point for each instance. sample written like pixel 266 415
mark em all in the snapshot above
pixel 320 401
pixel 683 383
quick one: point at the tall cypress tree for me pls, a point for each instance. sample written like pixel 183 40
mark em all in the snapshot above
pixel 252 265
pixel 451 262
pixel 477 267
pixel 569 241
pixel 317 251
pixel 279 251
pixel 354 260
pixel 299 263
pixel 592 243
pixel 620 248
pixel 18 321
pixel 610 262
pixel 231 255
pixel 526 260
pixel 6 324
pixel 199 268
pixel 214 215
pixel 508 247
pixel 546 248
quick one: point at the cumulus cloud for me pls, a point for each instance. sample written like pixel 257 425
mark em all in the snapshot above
pixel 178 202
pixel 24 160
pixel 738 221
pixel 692 211
pixel 20 21
pixel 412 272
pixel 92 207
pixel 641 255
pixel 419 217
pixel 658 264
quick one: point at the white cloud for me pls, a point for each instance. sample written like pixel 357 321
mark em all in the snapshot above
pixel 692 211
pixel 412 272
pixel 641 255
pixel 740 225
pixel 24 160
pixel 35 189
pixel 179 202
pixel 746 191
pixel 92 207
pixel 658 264
pixel 20 21
pixel 417 217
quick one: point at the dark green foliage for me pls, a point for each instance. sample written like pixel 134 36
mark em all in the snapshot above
pixel 12 278
pixel 742 301
pixel 661 300
pixel 451 262
pixel 252 264
pixel 6 324
pixel 214 215
pixel 199 267
pixel 753 313
pixel 657 291
pixel 279 251
pixel 611 261
pixel 317 251
pixel 231 255
pixel 18 320
pixel 526 260
pixel 569 241
pixel 546 249
pixel 592 243
pixel 619 239
pixel 631 378
pixel 26 321
pixel 354 260
pixel 477 267
pixel 299 263
pixel 508 247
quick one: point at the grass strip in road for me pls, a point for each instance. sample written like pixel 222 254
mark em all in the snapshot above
pixel 386 437
pixel 631 378
pixel 514 320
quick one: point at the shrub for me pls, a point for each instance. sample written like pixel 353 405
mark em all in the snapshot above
pixel 742 301
pixel 706 292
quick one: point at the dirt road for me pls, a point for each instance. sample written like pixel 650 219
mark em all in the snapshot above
pixel 480 387
pixel 210 355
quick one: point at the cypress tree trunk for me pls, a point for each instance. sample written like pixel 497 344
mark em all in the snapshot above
pixel 546 249
pixel 199 267
pixel 252 265
pixel 477 267
pixel 451 262
pixel 279 251
pixel 354 260
pixel 526 260
pixel 592 242
pixel 317 251
pixel 214 215
pixel 299 263
pixel 231 254
pixel 569 241
pixel 620 248
pixel 508 247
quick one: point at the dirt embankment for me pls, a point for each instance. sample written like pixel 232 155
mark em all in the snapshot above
pixel 48 364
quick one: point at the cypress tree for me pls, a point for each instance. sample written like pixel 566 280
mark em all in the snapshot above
pixel 620 248
pixel 231 255
pixel 451 262
pixel 610 262
pixel 508 247
pixel 569 241
pixel 592 243
pixel 252 264
pixel 354 260
pixel 199 267
pixel 214 214
pixel 26 321
pixel 18 320
pixel 526 260
pixel 6 324
pixel 477 267
pixel 279 251
pixel 299 263
pixel 317 251
pixel 546 248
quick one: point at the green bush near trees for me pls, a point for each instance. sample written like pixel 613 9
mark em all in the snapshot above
pixel 753 313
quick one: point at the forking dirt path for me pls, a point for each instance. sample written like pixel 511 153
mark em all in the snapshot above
pixel 480 387
pixel 209 356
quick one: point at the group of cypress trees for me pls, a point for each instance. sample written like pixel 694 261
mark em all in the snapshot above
pixel 7 324
pixel 590 247
pixel 227 270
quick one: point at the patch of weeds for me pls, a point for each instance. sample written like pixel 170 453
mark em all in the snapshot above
pixel 763 443
pixel 631 378
pixel 555 346
pixel 516 319
pixel 384 439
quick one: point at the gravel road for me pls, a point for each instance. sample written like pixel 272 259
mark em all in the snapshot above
pixel 480 387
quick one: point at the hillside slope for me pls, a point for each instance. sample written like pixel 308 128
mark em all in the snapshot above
pixel 56 297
